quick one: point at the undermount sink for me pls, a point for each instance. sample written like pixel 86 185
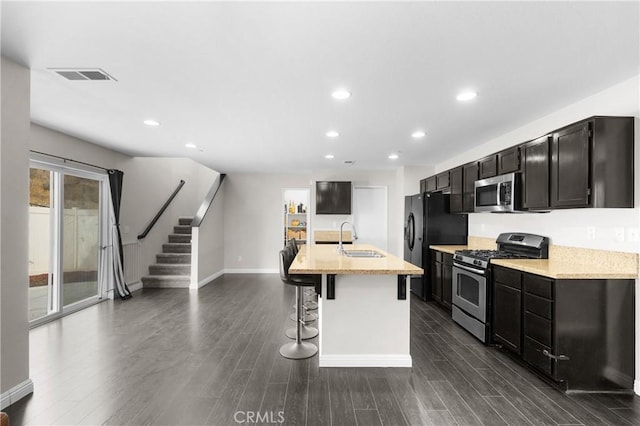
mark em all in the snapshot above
pixel 362 253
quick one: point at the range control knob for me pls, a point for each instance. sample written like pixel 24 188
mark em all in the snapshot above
pixel 477 262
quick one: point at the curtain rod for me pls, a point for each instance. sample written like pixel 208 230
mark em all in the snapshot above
pixel 69 159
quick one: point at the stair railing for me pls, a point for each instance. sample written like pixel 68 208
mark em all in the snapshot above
pixel 162 209
pixel 206 203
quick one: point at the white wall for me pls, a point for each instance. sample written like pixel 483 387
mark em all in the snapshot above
pixel 148 183
pixel 567 227
pixel 14 200
pixel 253 219
pixel 211 241
pixel 253 213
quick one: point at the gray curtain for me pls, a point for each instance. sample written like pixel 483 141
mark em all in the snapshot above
pixel 117 258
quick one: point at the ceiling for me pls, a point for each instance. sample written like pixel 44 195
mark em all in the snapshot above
pixel 250 83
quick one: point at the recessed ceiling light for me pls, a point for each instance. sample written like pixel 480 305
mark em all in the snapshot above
pixel 190 145
pixel 332 134
pixel 393 157
pixel 152 123
pixel 418 134
pixel 329 156
pixel 466 96
pixel 341 94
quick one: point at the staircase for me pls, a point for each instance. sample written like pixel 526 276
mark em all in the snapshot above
pixel 173 267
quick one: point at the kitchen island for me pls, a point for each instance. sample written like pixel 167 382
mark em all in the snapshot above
pixel 364 305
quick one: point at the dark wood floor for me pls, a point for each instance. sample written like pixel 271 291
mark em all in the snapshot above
pixel 168 357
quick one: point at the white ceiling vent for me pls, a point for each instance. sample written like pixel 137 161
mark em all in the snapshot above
pixel 95 74
pixel 349 162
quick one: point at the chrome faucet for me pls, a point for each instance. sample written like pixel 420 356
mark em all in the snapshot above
pixel 355 236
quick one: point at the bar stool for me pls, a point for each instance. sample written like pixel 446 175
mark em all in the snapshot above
pixel 308 305
pixel 297 349
pixel 291 250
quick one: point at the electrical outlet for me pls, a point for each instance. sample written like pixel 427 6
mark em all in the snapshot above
pixel 619 234
pixel 591 232
pixel 633 235
pixel 239 258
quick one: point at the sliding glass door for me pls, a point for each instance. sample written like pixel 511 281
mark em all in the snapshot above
pixel 66 232
pixel 81 238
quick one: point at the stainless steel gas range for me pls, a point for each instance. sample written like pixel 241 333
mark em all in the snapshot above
pixel 472 293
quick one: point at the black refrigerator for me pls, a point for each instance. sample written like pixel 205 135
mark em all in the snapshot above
pixel 428 222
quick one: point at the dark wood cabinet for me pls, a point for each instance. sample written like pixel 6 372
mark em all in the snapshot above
pixel 509 160
pixel 507 309
pixel 469 178
pixel 570 167
pixel 447 279
pixel 592 164
pixel 567 329
pixel 455 200
pixel 586 164
pixel 436 275
pixel 430 184
pixel 441 277
pixel 488 166
pixel 535 174
pixel 442 180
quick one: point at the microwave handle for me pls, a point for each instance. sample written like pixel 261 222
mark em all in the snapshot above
pixel 498 194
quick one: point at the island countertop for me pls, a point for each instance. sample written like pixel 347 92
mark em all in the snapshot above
pixel 324 259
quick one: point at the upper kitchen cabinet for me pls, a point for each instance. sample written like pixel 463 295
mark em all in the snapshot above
pixel 469 178
pixel 488 166
pixel 509 160
pixel 429 184
pixel 442 180
pixel 455 201
pixel 535 174
pixel 592 164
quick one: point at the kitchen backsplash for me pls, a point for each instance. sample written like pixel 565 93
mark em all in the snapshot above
pixel 602 229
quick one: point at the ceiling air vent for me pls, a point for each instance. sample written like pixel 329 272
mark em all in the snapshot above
pixel 350 162
pixel 94 74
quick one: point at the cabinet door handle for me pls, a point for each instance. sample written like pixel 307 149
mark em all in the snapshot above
pixel 556 357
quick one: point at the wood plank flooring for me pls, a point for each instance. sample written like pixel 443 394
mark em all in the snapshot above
pixel 168 357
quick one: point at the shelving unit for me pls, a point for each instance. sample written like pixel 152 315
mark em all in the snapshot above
pixel 295 226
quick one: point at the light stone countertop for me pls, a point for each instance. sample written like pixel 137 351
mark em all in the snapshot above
pixel 324 259
pixel 449 249
pixel 566 262
pixel 566 269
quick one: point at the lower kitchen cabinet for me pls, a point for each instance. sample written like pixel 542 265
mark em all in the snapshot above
pixel 507 309
pixel 447 279
pixel 441 277
pixel 577 332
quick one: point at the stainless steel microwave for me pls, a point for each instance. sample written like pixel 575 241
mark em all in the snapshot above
pixel 498 194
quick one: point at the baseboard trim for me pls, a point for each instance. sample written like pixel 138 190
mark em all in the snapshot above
pixel 394 360
pixel 16 393
pixel 251 271
pixel 135 286
pixel 207 280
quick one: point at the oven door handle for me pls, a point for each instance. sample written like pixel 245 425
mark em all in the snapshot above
pixel 468 269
